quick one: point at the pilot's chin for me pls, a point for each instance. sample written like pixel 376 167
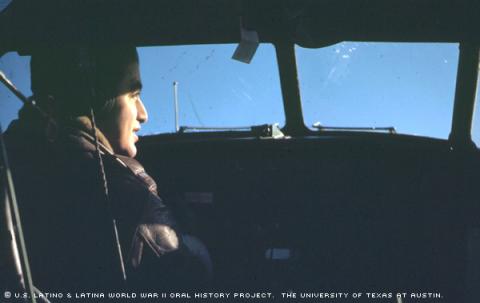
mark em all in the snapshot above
pixel 129 151
pixel 132 151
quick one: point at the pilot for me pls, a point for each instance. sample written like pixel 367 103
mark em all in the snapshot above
pixel 75 203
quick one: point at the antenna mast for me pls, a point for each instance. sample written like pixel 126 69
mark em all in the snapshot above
pixel 175 100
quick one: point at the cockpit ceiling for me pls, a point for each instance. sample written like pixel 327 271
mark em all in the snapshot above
pixel 310 23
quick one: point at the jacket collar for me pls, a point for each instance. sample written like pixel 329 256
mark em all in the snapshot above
pixel 83 126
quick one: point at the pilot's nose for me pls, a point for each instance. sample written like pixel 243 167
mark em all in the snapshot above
pixel 142 115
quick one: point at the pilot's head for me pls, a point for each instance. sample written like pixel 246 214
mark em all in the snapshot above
pixel 68 82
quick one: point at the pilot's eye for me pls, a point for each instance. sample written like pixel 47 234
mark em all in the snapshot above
pixel 135 94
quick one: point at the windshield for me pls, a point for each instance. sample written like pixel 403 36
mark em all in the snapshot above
pixel 476 118
pixel 409 86
pixel 17 69
pixel 213 90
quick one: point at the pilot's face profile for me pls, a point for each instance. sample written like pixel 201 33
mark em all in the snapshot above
pixel 123 122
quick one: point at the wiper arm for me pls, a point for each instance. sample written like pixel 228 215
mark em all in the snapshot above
pixel 264 130
pixel 186 129
pixel 389 129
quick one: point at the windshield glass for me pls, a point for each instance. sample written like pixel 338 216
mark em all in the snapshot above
pixel 17 69
pixel 213 89
pixel 476 118
pixel 409 86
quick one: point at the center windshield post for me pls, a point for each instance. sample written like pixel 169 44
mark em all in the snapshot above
pixel 465 94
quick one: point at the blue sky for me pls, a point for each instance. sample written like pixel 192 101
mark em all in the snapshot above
pixel 405 85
